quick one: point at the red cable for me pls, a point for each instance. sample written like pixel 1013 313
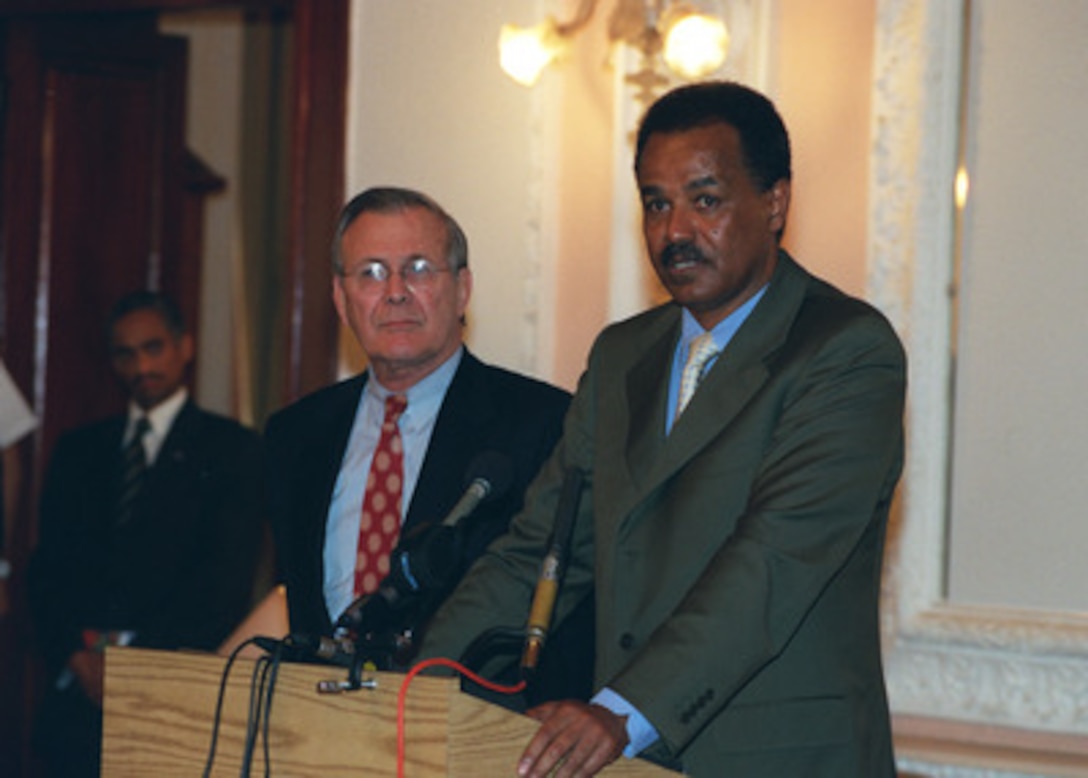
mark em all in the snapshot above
pixel 402 695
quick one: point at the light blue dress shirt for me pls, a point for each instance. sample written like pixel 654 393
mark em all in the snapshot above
pixel 345 508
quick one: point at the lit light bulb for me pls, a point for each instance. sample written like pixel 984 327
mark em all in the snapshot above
pixel 524 52
pixel 695 44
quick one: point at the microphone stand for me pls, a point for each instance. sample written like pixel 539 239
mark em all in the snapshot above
pixel 529 641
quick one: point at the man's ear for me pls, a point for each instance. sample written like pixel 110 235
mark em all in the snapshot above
pixel 464 290
pixel 338 297
pixel 188 349
pixel 779 199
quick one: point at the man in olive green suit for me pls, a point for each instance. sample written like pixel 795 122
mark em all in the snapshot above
pixel 733 540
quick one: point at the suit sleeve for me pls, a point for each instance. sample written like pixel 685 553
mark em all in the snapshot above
pixel 60 559
pixel 497 591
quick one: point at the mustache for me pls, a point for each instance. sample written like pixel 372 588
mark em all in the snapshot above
pixel 681 252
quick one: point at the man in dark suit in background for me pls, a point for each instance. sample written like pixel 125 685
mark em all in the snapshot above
pixel 740 446
pixel 402 285
pixel 149 533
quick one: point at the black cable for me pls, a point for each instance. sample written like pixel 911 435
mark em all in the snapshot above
pixel 491 644
pixel 275 661
pixel 256 693
pixel 219 706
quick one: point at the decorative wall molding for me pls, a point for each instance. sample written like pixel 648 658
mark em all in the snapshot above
pixel 930 770
pixel 1017 668
pixel 536 350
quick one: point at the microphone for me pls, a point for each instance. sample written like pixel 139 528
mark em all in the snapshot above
pixel 489 476
pixel 552 570
pixel 430 557
pixel 336 650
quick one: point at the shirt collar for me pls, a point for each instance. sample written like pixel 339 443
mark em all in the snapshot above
pixel 424 397
pixel 161 417
pixel 724 330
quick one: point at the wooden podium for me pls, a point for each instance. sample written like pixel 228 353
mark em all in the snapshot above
pixel 160 707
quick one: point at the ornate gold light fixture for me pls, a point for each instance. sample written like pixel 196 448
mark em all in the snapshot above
pixel 689 42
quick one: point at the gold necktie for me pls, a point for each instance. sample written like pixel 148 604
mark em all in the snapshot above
pixel 700 351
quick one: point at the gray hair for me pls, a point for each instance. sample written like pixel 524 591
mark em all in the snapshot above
pixel 391 200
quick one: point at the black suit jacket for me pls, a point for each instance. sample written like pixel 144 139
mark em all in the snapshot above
pixel 180 572
pixel 485 409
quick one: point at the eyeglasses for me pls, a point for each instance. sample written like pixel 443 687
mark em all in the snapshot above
pixel 417 273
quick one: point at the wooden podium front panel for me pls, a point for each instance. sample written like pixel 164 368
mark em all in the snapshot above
pixel 160 708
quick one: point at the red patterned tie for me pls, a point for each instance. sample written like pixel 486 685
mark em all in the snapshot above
pixel 379 525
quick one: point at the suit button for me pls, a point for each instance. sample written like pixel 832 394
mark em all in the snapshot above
pixel 627 641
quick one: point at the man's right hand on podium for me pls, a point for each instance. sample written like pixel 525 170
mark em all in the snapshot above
pixel 574 738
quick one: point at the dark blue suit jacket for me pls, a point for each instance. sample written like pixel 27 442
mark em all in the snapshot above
pixel 180 573
pixel 485 409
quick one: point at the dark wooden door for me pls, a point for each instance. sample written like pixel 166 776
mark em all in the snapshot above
pixel 91 203
pixel 92 193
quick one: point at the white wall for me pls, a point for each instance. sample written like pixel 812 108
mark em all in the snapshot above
pixel 429 109
pixel 1021 430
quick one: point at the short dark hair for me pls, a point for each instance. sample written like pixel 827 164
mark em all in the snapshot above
pixel 390 199
pixel 147 300
pixel 764 141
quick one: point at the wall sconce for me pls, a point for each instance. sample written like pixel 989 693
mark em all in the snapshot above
pixel 692 44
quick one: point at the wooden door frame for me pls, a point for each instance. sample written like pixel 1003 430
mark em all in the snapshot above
pixel 318 133
pixel 317 116
pixel 318 129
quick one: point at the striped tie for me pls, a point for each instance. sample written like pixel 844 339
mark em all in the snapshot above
pixel 133 468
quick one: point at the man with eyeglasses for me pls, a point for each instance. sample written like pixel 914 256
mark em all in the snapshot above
pixel 401 284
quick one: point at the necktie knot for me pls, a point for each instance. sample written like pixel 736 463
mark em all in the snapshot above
pixel 143 426
pixel 395 405
pixel 700 351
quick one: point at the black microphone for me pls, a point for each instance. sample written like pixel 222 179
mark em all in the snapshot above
pixel 432 556
pixel 336 650
pixel 488 477
pixel 552 570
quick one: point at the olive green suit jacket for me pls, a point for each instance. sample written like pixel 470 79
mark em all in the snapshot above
pixel 736 562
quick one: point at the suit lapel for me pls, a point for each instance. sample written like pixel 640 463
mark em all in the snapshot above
pixel 735 377
pixel 463 420
pixel 175 448
pixel 170 473
pixel 328 441
pixel 319 462
pixel 647 395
